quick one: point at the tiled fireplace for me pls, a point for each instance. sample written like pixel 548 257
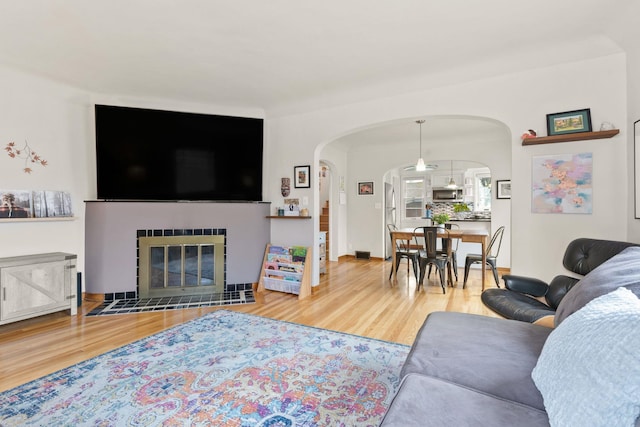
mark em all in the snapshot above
pixel 112 229
pixel 179 262
pixel 179 268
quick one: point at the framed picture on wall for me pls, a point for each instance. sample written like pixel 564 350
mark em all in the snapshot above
pixel 569 122
pixel 302 176
pixel 365 188
pixel 503 189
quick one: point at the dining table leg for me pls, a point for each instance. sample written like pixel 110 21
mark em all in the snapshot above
pixel 484 261
pixel 393 258
pixel 449 266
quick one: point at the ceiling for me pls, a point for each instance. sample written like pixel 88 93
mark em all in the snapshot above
pixel 290 55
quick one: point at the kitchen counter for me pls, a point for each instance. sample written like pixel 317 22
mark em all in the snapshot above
pixel 471 220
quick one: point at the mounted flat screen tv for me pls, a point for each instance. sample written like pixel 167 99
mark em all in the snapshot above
pixel 147 154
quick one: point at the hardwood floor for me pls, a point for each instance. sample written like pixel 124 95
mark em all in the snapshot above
pixel 355 296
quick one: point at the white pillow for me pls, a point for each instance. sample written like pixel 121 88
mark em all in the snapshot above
pixel 589 370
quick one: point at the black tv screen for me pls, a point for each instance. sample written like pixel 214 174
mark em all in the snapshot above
pixel 145 154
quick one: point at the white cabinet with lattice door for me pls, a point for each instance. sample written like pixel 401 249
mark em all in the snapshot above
pixel 34 285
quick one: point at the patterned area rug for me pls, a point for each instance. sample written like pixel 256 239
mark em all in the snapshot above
pixel 222 369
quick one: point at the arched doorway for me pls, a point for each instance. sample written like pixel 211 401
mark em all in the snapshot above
pixel 367 155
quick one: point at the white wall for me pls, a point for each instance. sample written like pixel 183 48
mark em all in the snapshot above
pixel 54 119
pixel 633 104
pixel 633 69
pixel 598 84
pixel 520 101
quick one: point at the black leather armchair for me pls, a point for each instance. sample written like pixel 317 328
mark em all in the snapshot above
pixel 520 299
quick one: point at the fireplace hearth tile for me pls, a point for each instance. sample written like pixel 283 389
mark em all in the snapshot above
pixel 122 306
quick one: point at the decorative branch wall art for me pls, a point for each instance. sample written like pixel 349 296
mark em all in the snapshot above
pixel 30 157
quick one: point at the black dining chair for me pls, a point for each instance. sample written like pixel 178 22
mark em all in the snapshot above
pixel 429 254
pixel 404 250
pixel 454 249
pixel 492 256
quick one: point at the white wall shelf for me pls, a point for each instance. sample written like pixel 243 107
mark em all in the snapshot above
pixel 48 219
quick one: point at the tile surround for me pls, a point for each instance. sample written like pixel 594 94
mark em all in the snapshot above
pixel 229 288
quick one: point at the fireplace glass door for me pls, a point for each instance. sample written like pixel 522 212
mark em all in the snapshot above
pixel 180 265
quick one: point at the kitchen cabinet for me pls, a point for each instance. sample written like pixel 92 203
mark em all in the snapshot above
pixel 442 179
pixel 468 189
pixel 34 285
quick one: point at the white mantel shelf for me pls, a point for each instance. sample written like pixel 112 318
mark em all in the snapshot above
pixel 289 217
pixel 48 219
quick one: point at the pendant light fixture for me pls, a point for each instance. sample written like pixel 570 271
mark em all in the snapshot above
pixel 452 182
pixel 420 166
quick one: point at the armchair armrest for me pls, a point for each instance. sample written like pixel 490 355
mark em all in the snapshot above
pixel 525 285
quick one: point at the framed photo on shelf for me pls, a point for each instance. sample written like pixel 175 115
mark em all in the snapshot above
pixel 569 122
pixel 503 189
pixel 365 188
pixel 302 176
pixel 16 204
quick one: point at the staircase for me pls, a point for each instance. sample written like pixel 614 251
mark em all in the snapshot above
pixel 324 224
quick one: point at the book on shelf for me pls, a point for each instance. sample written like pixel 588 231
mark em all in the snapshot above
pixel 279 250
pixel 271 265
pixel 279 258
pixel 299 253
pixel 291 268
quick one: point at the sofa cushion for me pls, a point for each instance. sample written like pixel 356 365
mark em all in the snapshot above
pixel 491 355
pixel 622 269
pixel 589 368
pixel 424 401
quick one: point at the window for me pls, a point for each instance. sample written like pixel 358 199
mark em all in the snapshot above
pixel 413 197
pixel 482 199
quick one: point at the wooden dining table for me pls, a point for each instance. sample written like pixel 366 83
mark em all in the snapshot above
pixel 472 236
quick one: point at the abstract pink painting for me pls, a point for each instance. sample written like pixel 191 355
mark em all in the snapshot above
pixel 562 184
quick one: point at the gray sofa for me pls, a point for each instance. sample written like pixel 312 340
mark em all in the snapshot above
pixel 471 370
